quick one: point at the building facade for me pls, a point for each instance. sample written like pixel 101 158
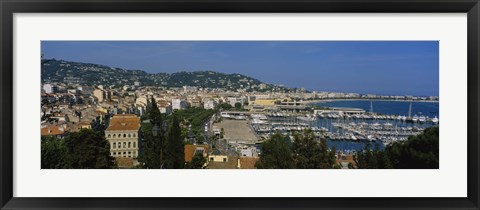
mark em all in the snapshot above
pixel 123 136
pixel 49 88
pixel 179 104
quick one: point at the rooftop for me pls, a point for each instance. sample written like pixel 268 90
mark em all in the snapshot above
pixel 247 162
pixel 52 130
pixel 230 164
pixel 191 149
pixel 124 122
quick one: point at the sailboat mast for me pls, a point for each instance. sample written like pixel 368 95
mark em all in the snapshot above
pixel 410 110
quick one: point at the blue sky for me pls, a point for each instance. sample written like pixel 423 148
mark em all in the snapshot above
pixel 378 67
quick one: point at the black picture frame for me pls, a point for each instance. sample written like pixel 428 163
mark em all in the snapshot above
pixel 10 7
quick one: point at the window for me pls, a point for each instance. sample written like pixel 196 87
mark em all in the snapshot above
pixel 134 135
pixel 129 144
pixel 114 145
pixel 129 135
pixel 134 144
pixel 119 145
pixel 211 159
pixel 124 144
pixel 224 159
pixel 109 135
pixel 124 135
pixel 129 153
pixel 114 135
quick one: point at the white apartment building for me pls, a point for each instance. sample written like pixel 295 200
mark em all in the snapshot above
pixel 179 104
pixel 50 88
pixel 210 104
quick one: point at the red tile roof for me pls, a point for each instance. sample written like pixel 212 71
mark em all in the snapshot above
pixel 190 151
pixel 124 122
pixel 248 162
pixel 52 130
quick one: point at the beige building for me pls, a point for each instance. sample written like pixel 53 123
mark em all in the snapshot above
pixel 98 94
pixel 122 134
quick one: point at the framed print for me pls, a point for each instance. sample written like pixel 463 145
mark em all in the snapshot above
pixel 161 104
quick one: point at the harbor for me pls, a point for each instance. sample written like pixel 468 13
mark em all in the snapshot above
pixel 343 124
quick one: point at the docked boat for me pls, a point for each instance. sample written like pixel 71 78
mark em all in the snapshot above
pixel 422 119
pixel 415 118
pixel 435 120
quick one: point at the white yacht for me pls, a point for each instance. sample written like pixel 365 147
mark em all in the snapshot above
pixel 435 120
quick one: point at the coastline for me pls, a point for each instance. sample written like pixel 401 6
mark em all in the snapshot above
pixel 309 102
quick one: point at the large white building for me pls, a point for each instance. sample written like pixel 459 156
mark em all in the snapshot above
pixel 210 104
pixel 179 104
pixel 233 100
pixel 49 88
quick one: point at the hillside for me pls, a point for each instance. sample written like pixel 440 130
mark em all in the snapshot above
pixel 94 74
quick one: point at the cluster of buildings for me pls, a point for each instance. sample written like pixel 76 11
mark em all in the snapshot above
pixel 69 107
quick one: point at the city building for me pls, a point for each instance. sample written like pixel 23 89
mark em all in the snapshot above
pixel 195 103
pixel 234 100
pixel 50 88
pixel 210 104
pixel 98 94
pixel 164 107
pixel 123 136
pixel 179 104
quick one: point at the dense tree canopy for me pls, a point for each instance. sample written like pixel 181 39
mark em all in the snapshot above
pixel 418 152
pixel 276 153
pixel 79 150
pixel 174 152
pixel 53 153
pixel 310 153
pixel 87 149
pixel 197 161
pixel 152 145
pixel 306 152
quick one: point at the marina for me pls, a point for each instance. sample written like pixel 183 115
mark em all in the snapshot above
pixel 355 127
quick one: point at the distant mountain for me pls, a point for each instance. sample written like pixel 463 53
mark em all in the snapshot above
pixel 94 74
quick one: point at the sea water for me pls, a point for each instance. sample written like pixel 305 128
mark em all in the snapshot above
pixel 429 109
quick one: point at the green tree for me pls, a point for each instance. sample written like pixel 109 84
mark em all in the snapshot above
pixel 154 113
pixel 200 138
pixel 152 145
pixel 87 149
pixel 310 153
pixel 418 152
pixel 225 106
pixel 421 151
pixel 276 154
pixel 53 153
pixel 150 158
pixel 100 123
pixel 197 161
pixel 175 153
pixel 238 106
